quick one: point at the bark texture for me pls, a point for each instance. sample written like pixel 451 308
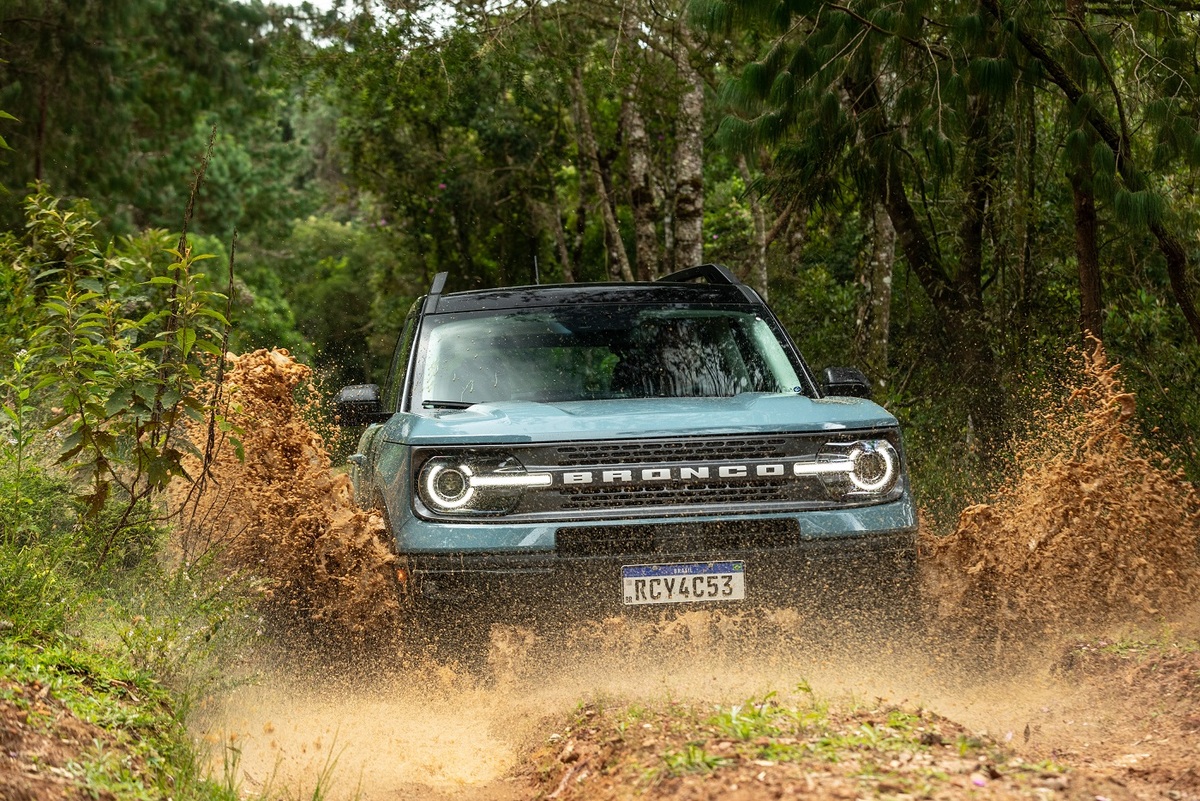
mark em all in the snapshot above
pixel 618 259
pixel 641 188
pixel 689 157
pixel 875 298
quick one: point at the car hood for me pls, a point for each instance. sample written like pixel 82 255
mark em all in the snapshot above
pixel 527 421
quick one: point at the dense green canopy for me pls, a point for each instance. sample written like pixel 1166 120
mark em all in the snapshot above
pixel 948 194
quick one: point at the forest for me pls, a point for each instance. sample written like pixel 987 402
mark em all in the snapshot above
pixel 966 199
pixel 949 196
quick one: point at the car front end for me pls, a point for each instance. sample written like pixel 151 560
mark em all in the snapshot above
pixel 616 447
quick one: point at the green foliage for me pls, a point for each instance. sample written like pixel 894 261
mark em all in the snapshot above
pixel 145 751
pixel 113 379
pixel 345 290
pixel 693 759
pixel 179 624
pixel 33 594
pixel 766 717
pixel 108 95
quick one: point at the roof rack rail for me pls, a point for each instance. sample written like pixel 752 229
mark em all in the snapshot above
pixel 712 273
pixel 435 292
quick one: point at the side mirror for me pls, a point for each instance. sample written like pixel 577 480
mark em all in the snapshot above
pixel 359 405
pixel 845 382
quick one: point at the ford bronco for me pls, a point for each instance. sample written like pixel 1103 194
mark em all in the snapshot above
pixel 624 445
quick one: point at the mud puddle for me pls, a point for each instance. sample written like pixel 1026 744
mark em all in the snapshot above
pixel 1022 648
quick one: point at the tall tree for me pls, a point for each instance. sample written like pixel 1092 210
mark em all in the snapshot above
pixel 106 91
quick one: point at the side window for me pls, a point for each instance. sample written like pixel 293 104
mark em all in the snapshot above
pixel 395 383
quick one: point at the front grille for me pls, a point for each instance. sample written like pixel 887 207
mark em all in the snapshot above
pixel 696 492
pixel 661 476
pixel 680 450
pixel 681 538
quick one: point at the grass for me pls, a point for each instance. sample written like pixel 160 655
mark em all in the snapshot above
pixel 139 747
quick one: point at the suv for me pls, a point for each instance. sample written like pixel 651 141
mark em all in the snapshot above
pixel 625 445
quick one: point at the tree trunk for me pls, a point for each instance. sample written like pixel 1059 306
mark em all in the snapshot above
pixel 578 237
pixel 758 270
pixel 641 189
pixel 1177 263
pixel 1087 256
pixel 689 158
pixel 956 298
pixel 796 234
pixel 618 260
pixel 551 217
pixel 875 298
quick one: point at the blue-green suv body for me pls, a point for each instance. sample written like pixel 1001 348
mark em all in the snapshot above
pixel 624 445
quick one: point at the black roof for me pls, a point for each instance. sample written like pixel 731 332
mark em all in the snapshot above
pixel 564 294
pixel 722 288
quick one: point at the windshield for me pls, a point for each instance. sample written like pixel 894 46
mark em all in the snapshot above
pixel 597 352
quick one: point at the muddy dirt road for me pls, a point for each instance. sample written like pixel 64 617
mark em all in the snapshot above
pixel 1058 656
pixel 683 717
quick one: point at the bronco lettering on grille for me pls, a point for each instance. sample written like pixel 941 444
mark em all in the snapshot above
pixel 678 473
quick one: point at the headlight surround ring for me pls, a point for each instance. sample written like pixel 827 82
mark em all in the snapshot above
pixel 464 485
pixel 438 475
pixel 876 466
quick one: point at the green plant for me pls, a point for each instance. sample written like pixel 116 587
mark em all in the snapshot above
pixel 15 447
pixel 111 355
pixel 693 759
pixel 142 749
pixel 178 624
pixel 31 592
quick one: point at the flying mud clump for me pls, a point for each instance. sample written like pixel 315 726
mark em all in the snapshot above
pixel 277 513
pixel 1094 528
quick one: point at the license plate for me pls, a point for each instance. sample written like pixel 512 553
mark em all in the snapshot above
pixel 683 582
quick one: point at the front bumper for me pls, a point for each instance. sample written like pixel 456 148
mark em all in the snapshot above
pixel 787 559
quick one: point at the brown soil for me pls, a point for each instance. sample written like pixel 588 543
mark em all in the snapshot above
pixel 1093 528
pixel 271 509
pixel 1107 719
pixel 679 752
pixel 1146 701
pixel 42 744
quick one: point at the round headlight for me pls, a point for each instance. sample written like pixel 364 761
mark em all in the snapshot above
pixel 447 486
pixel 875 466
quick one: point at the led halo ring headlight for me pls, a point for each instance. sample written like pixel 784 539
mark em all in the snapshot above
pixel 447 486
pixel 457 485
pixel 875 466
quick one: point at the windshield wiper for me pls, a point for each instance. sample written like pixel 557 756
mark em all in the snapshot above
pixel 445 404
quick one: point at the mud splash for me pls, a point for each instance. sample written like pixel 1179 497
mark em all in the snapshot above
pixel 1094 528
pixel 271 508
